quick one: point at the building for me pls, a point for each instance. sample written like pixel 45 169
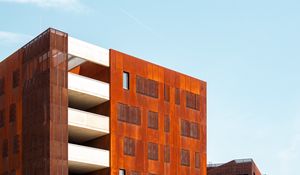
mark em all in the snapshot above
pixel 234 167
pixel 70 107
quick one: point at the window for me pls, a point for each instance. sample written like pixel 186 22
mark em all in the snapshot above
pixel 125 80
pixel 152 151
pixel 135 173
pixel 146 87
pixel 129 114
pixel 167 123
pixel 1 86
pixel 197 160
pixel 167 92
pixel 12 112
pixel 16 78
pixel 153 120
pixel 122 172
pixel 194 132
pixel 185 128
pixel 185 157
pixel 177 96
pixel 190 129
pixel 5 148
pixel 167 153
pixel 192 101
pixel 16 144
pixel 2 119
pixel 129 146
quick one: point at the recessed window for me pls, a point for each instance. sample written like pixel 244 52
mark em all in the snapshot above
pixel 125 80
pixel 2 119
pixel 185 157
pixel 197 160
pixel 147 87
pixel 129 146
pixel 167 92
pixel 16 78
pixel 167 123
pixel 153 120
pixel 167 153
pixel 1 86
pixel 16 145
pixel 152 151
pixel 12 112
pixel 5 148
pixel 177 96
pixel 122 172
pixel 129 114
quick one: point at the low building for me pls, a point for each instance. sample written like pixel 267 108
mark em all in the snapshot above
pixel 234 167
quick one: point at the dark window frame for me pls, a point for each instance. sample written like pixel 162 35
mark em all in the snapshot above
pixel 2 86
pixel 153 151
pixel 16 78
pixel 129 114
pixel 126 80
pixel 177 96
pixel 12 112
pixel 122 170
pixel 2 118
pixel 129 146
pixel 167 123
pixel 153 120
pixel 167 155
pixel 185 158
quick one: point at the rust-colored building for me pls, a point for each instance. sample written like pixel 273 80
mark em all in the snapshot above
pixel 234 167
pixel 70 107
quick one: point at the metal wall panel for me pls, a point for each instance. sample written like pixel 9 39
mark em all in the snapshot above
pixel 35 105
pixel 139 95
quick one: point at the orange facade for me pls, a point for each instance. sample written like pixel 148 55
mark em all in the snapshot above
pixel 33 107
pixel 171 143
pixel 157 126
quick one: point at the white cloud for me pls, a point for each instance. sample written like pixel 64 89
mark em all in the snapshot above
pixel 13 38
pixel 73 5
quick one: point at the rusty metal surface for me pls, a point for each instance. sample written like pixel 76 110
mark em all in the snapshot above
pixel 233 167
pixel 35 107
pixel 145 80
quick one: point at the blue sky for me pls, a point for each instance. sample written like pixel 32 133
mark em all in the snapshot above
pixel 247 51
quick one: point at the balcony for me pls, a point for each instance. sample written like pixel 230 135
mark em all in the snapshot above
pixel 85 126
pixel 85 93
pixel 79 50
pixel 84 159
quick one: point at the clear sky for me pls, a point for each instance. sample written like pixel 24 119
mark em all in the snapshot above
pixel 246 50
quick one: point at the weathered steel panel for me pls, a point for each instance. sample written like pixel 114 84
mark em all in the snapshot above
pixel 163 91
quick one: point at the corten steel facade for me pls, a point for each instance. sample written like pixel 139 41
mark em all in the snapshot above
pixel 235 167
pixel 69 107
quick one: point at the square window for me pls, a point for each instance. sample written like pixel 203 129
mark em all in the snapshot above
pixel 125 80
pixel 122 172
